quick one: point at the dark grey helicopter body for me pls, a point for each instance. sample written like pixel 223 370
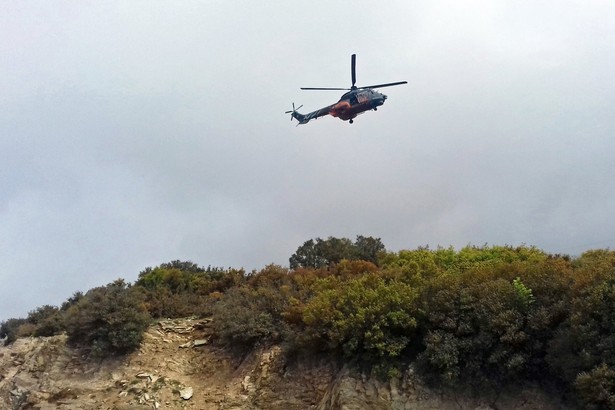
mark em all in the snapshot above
pixel 356 101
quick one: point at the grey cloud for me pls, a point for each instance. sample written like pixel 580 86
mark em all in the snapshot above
pixel 137 133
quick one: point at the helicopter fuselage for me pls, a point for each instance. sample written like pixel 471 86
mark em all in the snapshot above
pixel 354 102
pixel 351 104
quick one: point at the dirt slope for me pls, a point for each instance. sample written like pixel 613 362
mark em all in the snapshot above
pixel 176 368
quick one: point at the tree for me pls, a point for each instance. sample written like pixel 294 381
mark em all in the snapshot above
pixel 322 253
pixel 368 248
pixel 309 255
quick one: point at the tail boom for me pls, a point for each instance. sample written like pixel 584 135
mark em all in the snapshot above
pixel 305 118
pixel 300 117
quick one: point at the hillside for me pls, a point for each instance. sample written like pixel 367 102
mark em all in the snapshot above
pixel 175 360
pixel 346 323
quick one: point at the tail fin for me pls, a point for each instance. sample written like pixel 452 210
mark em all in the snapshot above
pixel 296 115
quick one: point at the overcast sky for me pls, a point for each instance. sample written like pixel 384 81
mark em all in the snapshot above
pixel 133 133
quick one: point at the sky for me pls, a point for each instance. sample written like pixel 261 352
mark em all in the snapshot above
pixel 134 133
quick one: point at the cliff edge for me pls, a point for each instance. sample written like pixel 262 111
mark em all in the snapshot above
pixel 177 368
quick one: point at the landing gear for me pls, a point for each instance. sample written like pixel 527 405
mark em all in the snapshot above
pixel 350 121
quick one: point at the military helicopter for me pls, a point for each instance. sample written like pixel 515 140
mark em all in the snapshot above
pixel 356 101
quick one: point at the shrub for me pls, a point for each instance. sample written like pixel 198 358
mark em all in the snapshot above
pixel 43 321
pixel 179 289
pixel 587 339
pixel 243 317
pixel 596 388
pixel 9 329
pixel 107 320
pixel 254 312
pixel 163 303
pixel 365 317
pixel 47 319
pixel 476 330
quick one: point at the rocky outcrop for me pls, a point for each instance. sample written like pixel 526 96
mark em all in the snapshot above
pixel 177 368
pixel 351 391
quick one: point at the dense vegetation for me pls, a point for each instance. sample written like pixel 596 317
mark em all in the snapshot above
pixel 474 317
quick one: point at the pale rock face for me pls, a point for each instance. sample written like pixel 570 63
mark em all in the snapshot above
pixel 174 369
pixel 186 393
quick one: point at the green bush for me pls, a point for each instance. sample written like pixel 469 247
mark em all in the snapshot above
pixel 596 388
pixel 476 330
pixel 587 339
pixel 163 303
pixel 179 288
pixel 48 320
pixel 548 307
pixel 242 318
pixel 43 321
pixel 9 329
pixel 254 312
pixel 366 317
pixel 107 320
pixel 427 263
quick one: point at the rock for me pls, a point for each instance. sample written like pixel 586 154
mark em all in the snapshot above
pixel 194 343
pixel 16 392
pixel 186 393
pixel 144 375
pixel 246 385
pixel 203 323
pixel 176 326
pixel 200 342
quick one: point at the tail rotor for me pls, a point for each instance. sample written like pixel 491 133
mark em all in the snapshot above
pixel 293 111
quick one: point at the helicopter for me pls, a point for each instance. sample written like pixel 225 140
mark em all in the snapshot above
pixel 356 101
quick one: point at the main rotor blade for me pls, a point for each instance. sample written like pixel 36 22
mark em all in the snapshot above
pixel 385 85
pixel 322 88
pixel 353 61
